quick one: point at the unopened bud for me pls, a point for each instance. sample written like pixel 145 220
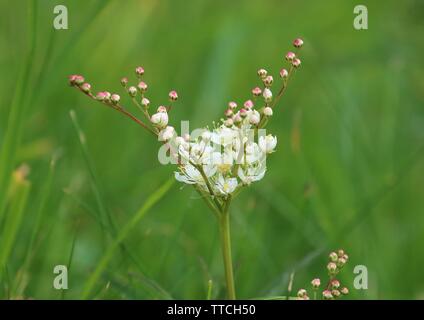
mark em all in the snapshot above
pixel 86 87
pixel 332 267
pixel 296 62
pixel 232 105
pixel 132 91
pixel 237 118
pixel 290 56
pixel 316 283
pixel 301 293
pixel 142 86
pixel 139 71
pixel 256 91
pixel 297 43
pixel 335 284
pixel 248 104
pixel 254 118
pixel 333 256
pixel 262 73
pixel 145 102
pixel 79 80
pixel 124 82
pixel 341 262
pixel 161 109
pixel 228 122
pixel 115 98
pixel 268 81
pixel 344 290
pixel 284 73
pixel 173 95
pixel 228 112
pixel 159 119
pixel 326 294
pixel 100 96
pixel 243 112
pixel 340 253
pixel 335 293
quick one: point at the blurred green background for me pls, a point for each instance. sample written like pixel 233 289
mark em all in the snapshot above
pixel 348 172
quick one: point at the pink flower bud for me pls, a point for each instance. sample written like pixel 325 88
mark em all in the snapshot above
pixel 332 267
pixel 256 91
pixel 228 122
pixel 344 290
pixel 173 96
pixel 145 102
pixel 228 112
pixel 243 112
pixel 268 81
pixel 79 80
pixel 290 56
pixel 115 98
pixel 335 284
pixel 237 118
pixel 132 91
pixel 139 71
pixel 298 43
pixel 262 73
pixel 232 105
pixel 284 73
pixel 248 104
pixel 72 78
pixel 316 283
pixel 296 62
pixel 302 293
pixel 335 293
pixel 142 86
pixel 107 95
pixel 268 111
pixel 101 96
pixel 124 81
pixel 86 87
pixel 161 109
pixel 333 256
pixel 327 294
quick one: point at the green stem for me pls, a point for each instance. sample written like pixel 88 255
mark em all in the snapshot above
pixel 224 226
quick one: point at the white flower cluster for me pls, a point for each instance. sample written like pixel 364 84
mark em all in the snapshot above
pixel 225 158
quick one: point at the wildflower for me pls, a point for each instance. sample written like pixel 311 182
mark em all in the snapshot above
pixel 268 111
pixel 267 95
pixel 166 134
pixel 191 175
pixel 344 291
pixel 251 174
pixel 335 284
pixel 332 267
pixel 333 256
pixel 160 119
pixel 226 185
pixel 267 143
pixel 335 293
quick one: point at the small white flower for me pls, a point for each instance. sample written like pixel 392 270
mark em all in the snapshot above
pixel 267 94
pixel 226 185
pixel 251 173
pixel 223 136
pixel 254 117
pixel 160 119
pixel 166 134
pixel 191 175
pixel 267 143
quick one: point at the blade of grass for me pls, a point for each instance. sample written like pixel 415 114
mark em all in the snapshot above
pixel 19 197
pixel 13 133
pixel 150 202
